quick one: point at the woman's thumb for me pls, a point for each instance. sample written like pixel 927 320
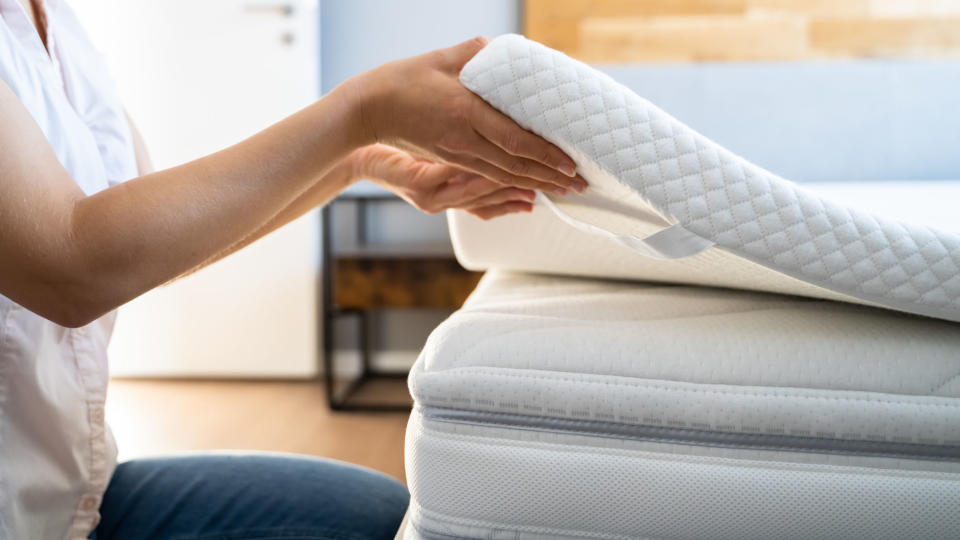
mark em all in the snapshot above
pixel 462 53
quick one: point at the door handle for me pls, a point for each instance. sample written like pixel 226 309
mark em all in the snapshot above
pixel 284 10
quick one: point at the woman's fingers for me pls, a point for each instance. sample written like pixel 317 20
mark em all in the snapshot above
pixel 497 210
pixel 458 55
pixel 432 114
pixel 523 167
pixel 476 192
pixel 500 196
pixel 487 169
pixel 516 141
pixel 462 188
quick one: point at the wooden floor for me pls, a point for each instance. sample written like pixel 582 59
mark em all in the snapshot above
pixel 162 417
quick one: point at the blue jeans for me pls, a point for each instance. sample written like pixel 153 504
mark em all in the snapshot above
pixel 265 497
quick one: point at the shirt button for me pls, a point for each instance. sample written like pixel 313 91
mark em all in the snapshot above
pixel 89 502
pixel 82 331
pixel 96 415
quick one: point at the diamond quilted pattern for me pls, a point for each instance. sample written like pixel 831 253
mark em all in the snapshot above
pixel 714 193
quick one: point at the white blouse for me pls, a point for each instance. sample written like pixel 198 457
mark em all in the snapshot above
pixel 56 452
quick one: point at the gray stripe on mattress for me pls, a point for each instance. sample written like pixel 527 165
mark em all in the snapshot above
pixel 425 534
pixel 697 437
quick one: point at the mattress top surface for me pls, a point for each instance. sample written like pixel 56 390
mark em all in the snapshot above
pixel 726 360
pixel 694 334
pixel 690 210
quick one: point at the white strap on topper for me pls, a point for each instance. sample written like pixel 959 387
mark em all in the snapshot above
pixel 673 242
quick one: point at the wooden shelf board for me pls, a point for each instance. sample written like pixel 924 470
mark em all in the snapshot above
pixel 437 250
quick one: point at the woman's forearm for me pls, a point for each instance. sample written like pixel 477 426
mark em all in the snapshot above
pixel 150 230
pixel 319 194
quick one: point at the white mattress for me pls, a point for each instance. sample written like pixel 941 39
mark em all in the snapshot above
pixel 555 407
pixel 667 204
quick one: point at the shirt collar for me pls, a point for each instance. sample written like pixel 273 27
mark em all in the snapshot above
pixel 16 18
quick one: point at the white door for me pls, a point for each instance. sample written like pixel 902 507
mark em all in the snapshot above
pixel 197 77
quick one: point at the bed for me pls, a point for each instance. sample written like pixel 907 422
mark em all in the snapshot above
pixel 696 348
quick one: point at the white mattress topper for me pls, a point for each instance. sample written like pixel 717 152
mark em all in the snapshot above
pixel 667 204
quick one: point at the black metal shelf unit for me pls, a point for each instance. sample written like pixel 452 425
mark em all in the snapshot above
pixel 330 312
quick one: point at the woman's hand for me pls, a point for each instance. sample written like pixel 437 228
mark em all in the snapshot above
pixel 419 105
pixel 434 187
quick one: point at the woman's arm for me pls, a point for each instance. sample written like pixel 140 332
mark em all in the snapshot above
pixel 428 186
pixel 71 257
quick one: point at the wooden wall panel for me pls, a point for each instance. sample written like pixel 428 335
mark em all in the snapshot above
pixel 802 9
pixel 680 39
pixel 556 22
pixel 885 37
pixel 622 31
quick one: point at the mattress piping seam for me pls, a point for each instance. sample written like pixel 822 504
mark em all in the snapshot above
pixel 695 437
pixel 655 386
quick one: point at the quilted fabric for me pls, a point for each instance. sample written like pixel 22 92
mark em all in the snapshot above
pixel 574 354
pixel 730 361
pixel 626 146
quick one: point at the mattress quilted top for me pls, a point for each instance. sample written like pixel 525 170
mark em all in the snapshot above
pixel 718 360
pixel 668 204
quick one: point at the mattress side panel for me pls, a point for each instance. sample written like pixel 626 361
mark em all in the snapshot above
pixel 474 482
pixel 584 402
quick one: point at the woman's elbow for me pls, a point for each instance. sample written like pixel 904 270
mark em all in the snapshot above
pixel 74 316
pixel 68 313
pixel 66 305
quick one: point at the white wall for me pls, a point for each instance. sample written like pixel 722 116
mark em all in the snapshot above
pixel 197 77
pixel 358 35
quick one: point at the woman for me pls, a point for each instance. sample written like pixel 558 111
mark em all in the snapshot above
pixel 78 240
